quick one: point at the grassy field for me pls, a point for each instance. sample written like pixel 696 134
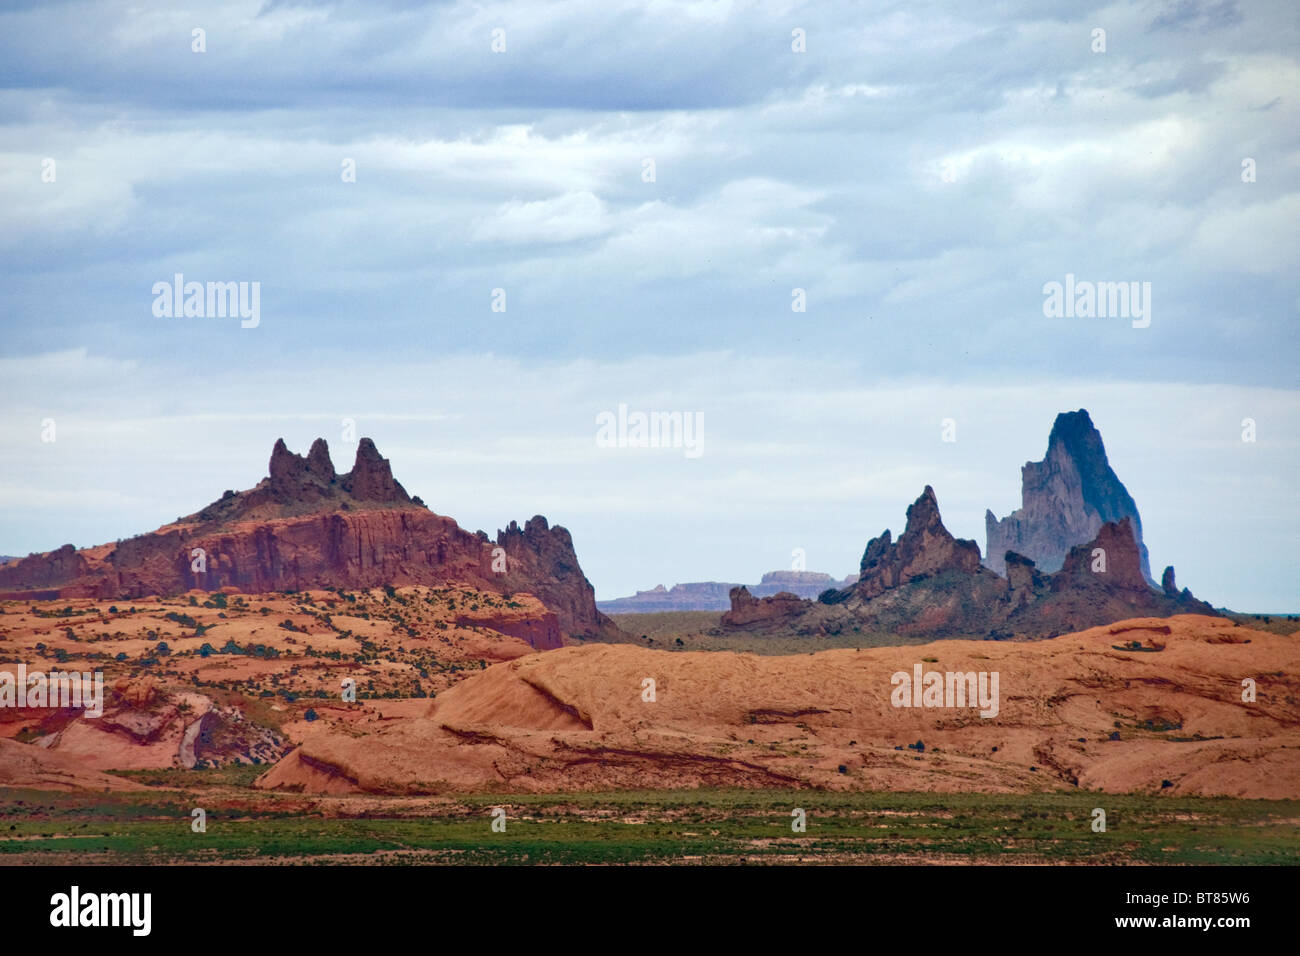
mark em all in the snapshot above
pixel 706 826
pixel 699 631
pixel 1273 623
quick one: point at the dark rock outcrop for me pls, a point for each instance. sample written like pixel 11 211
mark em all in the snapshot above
pixel 1065 500
pixel 1167 582
pixel 319 465
pixel 1024 580
pixel 542 561
pixel 925 548
pixel 929 583
pixel 747 609
pixel 371 478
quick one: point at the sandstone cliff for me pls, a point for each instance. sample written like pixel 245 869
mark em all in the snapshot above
pixel 305 526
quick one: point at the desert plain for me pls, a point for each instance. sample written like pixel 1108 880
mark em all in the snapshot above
pixel 1183 730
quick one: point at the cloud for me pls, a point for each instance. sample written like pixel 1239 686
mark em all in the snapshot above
pixel 920 171
pixel 562 219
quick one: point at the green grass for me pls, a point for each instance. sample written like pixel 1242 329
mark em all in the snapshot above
pixel 700 631
pixel 234 775
pixel 716 826
pixel 1274 623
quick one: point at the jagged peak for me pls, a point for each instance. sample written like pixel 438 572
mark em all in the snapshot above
pixel 367 452
pixel 925 547
pixel 309 484
pixel 371 477
pixel 318 460
pixel 283 461
pixel 290 471
pixel 923 513
pixel 1071 423
pixel 1065 498
pixel 535 528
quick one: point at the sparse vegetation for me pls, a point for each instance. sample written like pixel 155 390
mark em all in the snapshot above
pixel 709 826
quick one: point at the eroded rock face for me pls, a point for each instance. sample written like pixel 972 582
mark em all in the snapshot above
pixel 319 465
pixel 371 478
pixel 1065 500
pixel 1167 582
pixel 1024 581
pixel 144 727
pixel 1111 560
pixel 925 548
pixel 43 571
pixel 930 583
pixel 306 527
pixel 542 561
pixel 747 609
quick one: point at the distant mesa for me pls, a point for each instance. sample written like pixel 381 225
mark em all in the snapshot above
pixel 1065 500
pixel 306 526
pixel 714 595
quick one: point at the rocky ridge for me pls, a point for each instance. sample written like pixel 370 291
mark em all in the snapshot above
pixel 306 526
pixel 930 583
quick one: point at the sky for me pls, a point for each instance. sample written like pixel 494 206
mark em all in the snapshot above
pixel 821 230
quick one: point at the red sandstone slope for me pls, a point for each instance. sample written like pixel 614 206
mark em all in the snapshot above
pixel 22 765
pixel 307 527
pixel 1122 708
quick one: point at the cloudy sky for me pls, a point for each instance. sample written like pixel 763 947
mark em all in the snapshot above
pixel 919 170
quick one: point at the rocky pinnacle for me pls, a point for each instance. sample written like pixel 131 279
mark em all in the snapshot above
pixel 1065 500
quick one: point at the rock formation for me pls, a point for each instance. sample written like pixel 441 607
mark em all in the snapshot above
pixel 1065 499
pixel 23 766
pixel 925 548
pixel 747 609
pixel 1111 560
pixel 567 721
pixel 304 526
pixel 930 583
